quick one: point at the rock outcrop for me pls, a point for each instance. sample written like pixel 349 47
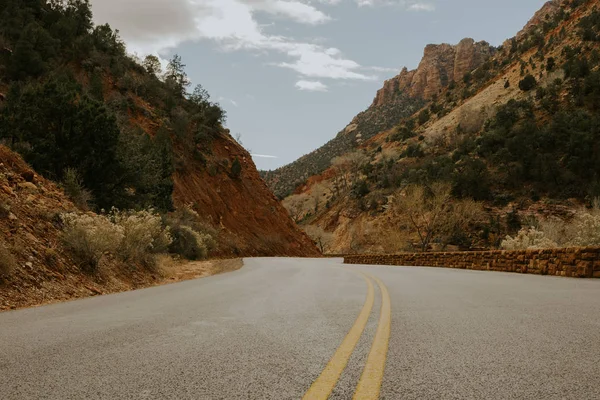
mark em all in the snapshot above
pixel 548 10
pixel 441 64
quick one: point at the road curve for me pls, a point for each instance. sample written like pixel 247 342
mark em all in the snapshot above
pixel 272 329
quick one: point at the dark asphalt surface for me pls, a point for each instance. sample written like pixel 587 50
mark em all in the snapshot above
pixel 267 331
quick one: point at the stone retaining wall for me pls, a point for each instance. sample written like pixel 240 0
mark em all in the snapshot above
pixel 575 262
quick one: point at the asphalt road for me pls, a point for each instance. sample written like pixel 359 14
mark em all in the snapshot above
pixel 283 328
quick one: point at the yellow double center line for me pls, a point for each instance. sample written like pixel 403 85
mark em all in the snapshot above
pixel 370 381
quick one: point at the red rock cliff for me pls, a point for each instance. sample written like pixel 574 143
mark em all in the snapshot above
pixel 441 64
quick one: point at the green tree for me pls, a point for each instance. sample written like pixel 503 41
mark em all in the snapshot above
pixel 147 170
pixel 176 77
pixel 236 168
pixel 152 65
pixel 32 53
pixel 58 128
pixel 527 83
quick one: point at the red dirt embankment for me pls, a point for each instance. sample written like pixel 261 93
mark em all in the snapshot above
pixel 252 221
pixel 41 269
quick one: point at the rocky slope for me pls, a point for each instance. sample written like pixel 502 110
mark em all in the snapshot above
pixel 509 133
pixel 400 97
pixel 133 134
pixel 441 65
pixel 250 219
pixel 37 267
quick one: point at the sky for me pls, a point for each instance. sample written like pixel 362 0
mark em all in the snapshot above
pixel 291 74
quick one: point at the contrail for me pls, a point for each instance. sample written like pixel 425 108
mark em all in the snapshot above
pixel 263 156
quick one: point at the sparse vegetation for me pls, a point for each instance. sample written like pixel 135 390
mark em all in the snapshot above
pixel 528 238
pixel 90 237
pixel 144 236
pixel 321 238
pixel 136 237
pixel 582 230
pixel 432 214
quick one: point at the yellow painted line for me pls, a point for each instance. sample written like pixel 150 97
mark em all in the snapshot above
pixel 324 384
pixel 370 381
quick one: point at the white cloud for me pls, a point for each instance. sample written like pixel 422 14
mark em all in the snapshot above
pixel 318 62
pixel 421 7
pixel 155 26
pixel 311 86
pixel 231 101
pixel 263 156
pixel 294 10
pixel 383 69
pixel 330 2
pixel 148 25
pixel 410 5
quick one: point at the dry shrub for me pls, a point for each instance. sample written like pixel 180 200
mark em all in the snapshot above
pixel 298 206
pixel 192 238
pixel 4 208
pixel 582 231
pixel 89 237
pixel 528 238
pixel 51 257
pixel 432 214
pixel 555 229
pixel 7 261
pixel 164 265
pixel 133 236
pixel 143 236
pixel 318 235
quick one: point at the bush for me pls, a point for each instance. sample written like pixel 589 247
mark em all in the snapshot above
pixel 73 187
pixel 360 189
pixel 528 238
pixel 89 237
pixel 134 236
pixel 192 238
pixel 414 151
pixel 189 243
pixel 424 117
pixel 236 168
pixel 143 236
pixel 586 230
pixel 7 261
pixel 527 83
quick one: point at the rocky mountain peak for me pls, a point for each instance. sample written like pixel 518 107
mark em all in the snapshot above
pixel 440 65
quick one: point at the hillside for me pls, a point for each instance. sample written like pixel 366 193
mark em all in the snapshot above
pixel 400 97
pixel 505 138
pixel 116 131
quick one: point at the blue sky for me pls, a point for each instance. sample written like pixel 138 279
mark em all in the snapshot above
pixel 293 73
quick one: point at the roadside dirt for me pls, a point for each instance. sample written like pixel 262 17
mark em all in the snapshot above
pixel 70 288
pixel 202 269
